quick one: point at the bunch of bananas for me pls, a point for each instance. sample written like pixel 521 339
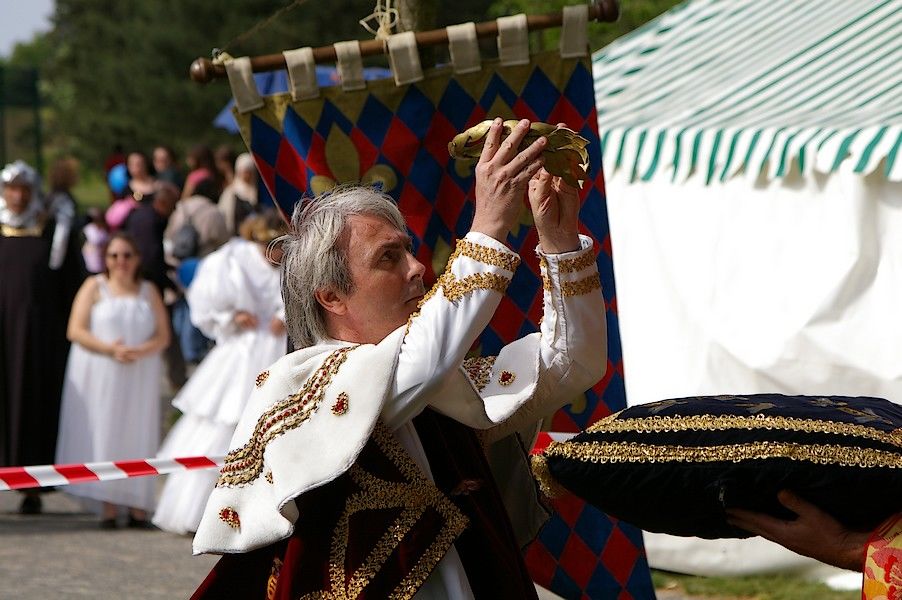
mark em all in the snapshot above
pixel 565 155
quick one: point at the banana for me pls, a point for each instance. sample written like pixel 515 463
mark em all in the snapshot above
pixel 565 155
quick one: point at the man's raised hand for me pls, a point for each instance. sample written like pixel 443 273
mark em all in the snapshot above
pixel 502 178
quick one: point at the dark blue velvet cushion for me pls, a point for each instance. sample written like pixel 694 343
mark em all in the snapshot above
pixel 673 466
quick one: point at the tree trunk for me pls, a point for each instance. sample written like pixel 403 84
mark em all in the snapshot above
pixel 419 15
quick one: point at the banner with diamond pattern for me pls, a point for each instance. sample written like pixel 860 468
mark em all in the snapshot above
pixel 397 138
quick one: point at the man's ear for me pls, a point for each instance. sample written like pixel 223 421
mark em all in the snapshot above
pixel 331 301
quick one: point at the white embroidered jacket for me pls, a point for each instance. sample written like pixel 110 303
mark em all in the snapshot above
pixel 314 410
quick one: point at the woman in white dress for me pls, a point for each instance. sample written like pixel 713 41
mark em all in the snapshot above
pixel 235 298
pixel 111 395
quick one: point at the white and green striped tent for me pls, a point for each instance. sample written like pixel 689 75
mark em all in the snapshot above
pixel 753 163
pixel 724 86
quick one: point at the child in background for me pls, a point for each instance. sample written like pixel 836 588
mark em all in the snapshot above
pixel 97 234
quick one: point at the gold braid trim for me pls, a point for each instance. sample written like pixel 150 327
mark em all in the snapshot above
pixel 486 255
pixel 454 289
pixel 546 279
pixel 414 496
pixel 630 452
pixel 582 286
pixel 245 464
pixel 573 265
pixel 33 231
pixel 659 424
pixel 548 485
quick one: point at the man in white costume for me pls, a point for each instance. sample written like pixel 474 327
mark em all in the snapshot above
pixel 358 468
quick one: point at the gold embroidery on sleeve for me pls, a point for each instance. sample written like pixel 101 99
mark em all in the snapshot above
pixel 546 279
pixel 583 286
pixel 573 265
pixel 486 255
pixel 455 289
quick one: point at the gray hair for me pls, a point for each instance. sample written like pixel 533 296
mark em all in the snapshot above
pixel 314 254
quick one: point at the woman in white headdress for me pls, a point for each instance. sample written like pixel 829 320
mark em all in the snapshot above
pixel 235 298
pixel 239 198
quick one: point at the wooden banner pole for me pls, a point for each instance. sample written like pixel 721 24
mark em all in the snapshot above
pixel 203 70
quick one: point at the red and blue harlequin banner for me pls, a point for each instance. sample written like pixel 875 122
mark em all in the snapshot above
pixel 397 138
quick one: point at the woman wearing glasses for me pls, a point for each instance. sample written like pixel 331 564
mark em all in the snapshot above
pixel 111 396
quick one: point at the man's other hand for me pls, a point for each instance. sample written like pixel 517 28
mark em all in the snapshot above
pixel 555 209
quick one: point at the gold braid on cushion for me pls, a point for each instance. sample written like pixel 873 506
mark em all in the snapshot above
pixel 630 452
pixel 548 485
pixel 661 424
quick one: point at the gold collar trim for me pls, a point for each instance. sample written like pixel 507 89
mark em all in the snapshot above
pixel 33 231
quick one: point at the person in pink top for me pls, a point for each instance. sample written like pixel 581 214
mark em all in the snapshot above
pixel 201 166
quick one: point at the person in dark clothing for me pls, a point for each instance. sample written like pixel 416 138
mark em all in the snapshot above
pixel 146 225
pixel 37 289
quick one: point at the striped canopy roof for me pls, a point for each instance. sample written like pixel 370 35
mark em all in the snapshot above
pixel 722 87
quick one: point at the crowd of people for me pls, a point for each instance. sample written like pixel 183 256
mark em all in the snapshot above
pixel 183 270
pixel 173 274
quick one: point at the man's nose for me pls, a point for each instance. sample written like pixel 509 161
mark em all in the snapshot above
pixel 414 267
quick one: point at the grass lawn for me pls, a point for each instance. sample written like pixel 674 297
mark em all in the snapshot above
pixel 771 587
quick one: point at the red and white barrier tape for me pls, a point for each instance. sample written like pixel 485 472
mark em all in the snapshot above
pixel 20 478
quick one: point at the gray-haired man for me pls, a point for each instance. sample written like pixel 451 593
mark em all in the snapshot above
pixel 356 470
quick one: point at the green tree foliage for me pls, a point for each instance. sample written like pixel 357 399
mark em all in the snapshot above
pixel 117 72
pixel 633 14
